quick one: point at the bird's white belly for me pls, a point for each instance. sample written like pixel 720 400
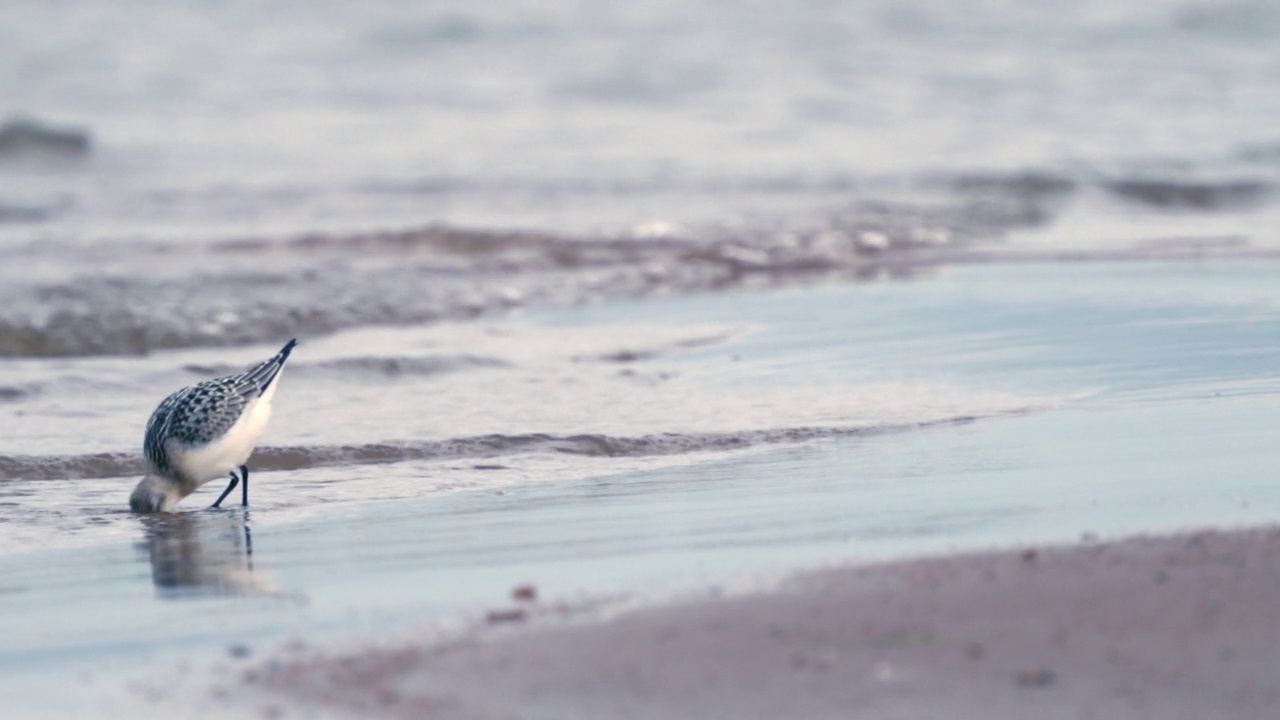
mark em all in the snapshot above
pixel 218 458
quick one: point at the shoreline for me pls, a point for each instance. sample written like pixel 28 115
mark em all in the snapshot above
pixel 365 581
pixel 1172 626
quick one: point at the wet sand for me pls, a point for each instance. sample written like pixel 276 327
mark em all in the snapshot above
pixel 1179 626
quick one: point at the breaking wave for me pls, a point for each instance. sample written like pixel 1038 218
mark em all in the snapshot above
pixel 254 290
pixel 137 297
pixel 120 464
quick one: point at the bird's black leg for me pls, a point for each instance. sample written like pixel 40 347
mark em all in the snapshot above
pixel 248 544
pixel 234 481
pixel 244 486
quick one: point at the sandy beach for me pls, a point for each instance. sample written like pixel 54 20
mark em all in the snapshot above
pixel 1178 626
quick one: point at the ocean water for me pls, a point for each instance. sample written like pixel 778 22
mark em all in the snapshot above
pixel 259 170
pixel 616 296
pixel 233 120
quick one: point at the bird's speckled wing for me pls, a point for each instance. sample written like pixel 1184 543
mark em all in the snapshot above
pixel 202 413
pixel 196 416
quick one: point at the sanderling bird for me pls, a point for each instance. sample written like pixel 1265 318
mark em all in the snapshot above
pixel 205 432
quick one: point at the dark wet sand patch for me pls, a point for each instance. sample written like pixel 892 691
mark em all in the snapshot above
pixel 1183 626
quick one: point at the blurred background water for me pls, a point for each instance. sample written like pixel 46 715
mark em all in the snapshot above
pixel 216 119
pixel 194 174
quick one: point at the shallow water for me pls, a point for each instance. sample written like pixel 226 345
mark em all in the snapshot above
pixel 481 405
pixel 1047 402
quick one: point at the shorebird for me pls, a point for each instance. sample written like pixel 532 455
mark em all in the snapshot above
pixel 204 432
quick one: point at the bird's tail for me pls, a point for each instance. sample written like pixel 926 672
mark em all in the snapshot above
pixel 263 375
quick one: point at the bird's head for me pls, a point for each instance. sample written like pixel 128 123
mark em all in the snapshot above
pixel 154 494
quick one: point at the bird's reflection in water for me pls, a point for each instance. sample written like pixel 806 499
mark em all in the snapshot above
pixel 203 553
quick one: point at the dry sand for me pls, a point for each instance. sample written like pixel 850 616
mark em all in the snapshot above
pixel 1184 626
